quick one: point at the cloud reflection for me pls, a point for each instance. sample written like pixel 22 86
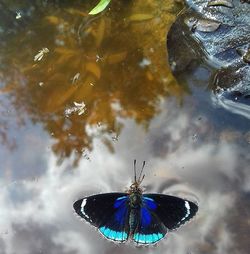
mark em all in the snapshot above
pixel 36 216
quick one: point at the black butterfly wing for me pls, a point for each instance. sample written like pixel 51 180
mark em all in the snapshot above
pixel 172 211
pixel 108 212
pixel 150 228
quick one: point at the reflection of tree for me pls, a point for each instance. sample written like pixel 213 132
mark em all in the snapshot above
pixel 91 60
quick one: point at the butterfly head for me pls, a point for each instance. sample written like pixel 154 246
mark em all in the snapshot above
pixel 135 187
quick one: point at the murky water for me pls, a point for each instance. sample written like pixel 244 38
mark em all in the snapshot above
pixel 81 97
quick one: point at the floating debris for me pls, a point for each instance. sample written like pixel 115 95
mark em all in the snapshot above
pixel 202 25
pixel 114 136
pixel 225 3
pixel 98 58
pixel 40 54
pixel 85 154
pixel 145 62
pixel 80 108
pixel 40 83
pixel 18 15
pixel 75 78
pixel 195 137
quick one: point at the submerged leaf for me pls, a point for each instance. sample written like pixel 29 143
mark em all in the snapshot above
pixel 117 57
pixel 140 17
pixel 100 33
pixel 100 7
pixel 53 20
pixel 94 69
pixel 76 12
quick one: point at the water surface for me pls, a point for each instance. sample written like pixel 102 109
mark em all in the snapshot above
pixel 100 97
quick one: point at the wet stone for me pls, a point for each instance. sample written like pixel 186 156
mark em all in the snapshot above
pixel 244 53
pixel 202 25
pixel 246 56
pixel 226 3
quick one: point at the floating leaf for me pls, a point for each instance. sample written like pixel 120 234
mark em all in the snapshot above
pixel 100 7
pixel 75 78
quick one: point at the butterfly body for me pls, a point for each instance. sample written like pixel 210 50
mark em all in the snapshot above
pixel 143 218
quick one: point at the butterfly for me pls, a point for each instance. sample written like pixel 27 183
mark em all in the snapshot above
pixel 143 218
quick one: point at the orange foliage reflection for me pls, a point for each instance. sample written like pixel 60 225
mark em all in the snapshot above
pixel 80 75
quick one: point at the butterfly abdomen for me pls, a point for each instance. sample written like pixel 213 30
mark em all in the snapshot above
pixel 133 221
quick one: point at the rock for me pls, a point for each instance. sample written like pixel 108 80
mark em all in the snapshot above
pixel 215 33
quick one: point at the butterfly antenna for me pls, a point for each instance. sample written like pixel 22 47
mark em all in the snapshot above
pixel 140 179
pixel 135 170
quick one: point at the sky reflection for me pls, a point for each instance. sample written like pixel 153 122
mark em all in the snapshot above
pixel 36 213
pixel 135 109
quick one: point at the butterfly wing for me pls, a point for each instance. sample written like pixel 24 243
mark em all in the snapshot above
pixel 150 228
pixel 172 211
pixel 108 212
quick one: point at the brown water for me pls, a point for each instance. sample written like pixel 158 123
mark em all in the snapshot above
pixel 81 97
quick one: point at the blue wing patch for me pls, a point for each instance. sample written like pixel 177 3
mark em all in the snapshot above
pixel 150 203
pixel 150 229
pixel 115 227
pixel 108 212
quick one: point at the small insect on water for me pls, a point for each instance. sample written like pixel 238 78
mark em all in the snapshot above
pixel 142 218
